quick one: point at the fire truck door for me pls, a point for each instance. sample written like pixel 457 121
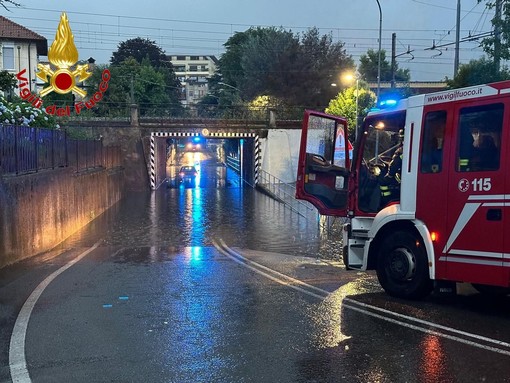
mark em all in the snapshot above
pixel 476 196
pixel 323 164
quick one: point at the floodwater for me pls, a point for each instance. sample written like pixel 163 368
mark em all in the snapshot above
pixel 218 205
pixel 158 301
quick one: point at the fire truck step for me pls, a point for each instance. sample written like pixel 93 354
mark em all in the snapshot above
pixel 445 288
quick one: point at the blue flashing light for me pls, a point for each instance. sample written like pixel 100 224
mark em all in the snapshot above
pixel 196 139
pixel 388 103
pixel 389 100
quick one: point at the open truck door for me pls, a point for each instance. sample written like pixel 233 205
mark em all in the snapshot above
pixel 324 163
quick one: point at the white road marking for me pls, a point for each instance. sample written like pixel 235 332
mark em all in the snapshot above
pixel 368 309
pixel 17 357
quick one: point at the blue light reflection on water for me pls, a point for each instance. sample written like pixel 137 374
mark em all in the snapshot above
pixel 195 219
pixel 193 343
pixel 187 217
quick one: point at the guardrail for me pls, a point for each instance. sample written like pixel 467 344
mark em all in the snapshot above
pixel 26 149
pixel 234 163
pixel 285 193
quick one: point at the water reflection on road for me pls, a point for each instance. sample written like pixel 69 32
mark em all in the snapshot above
pixel 219 206
pixel 191 314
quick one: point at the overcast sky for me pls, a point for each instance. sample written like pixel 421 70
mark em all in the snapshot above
pixel 201 27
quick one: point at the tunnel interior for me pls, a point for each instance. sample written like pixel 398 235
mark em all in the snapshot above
pixel 197 161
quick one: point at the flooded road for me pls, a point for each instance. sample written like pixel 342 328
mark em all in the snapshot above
pixel 217 282
pixel 217 206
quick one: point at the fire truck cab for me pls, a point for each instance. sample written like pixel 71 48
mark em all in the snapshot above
pixel 445 221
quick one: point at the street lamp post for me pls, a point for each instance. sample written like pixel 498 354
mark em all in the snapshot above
pixel 234 88
pixel 379 58
pixel 229 86
pixel 349 77
pixel 357 76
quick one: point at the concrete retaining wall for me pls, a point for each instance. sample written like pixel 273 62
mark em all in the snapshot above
pixel 280 153
pixel 38 211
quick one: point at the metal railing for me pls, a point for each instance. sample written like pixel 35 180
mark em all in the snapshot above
pixel 234 163
pixel 285 193
pixel 26 149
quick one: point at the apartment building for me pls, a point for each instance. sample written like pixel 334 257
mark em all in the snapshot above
pixel 193 72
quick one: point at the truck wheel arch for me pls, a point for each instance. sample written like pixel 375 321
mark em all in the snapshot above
pixel 416 228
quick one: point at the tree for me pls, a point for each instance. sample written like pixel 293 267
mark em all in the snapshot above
pixel 345 105
pixel 481 71
pixel 139 68
pixel 369 67
pixel 146 84
pixel 497 45
pixel 151 93
pixel 7 81
pixel 268 63
pixel 322 61
pixel 296 70
pixel 229 64
pixel 140 49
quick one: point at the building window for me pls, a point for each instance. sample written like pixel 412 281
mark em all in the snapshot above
pixel 8 57
pixel 181 58
pixel 192 68
pixel 195 58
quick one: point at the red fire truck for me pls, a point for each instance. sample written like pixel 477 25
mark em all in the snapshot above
pixel 447 218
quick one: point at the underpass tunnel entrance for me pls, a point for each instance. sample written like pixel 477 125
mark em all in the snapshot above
pixel 195 160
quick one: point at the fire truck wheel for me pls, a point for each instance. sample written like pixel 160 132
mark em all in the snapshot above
pixel 402 266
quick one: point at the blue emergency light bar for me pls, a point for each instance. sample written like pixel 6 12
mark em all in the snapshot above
pixel 388 103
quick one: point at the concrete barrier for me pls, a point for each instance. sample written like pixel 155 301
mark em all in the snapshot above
pixel 38 211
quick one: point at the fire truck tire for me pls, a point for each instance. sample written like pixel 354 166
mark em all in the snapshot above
pixel 402 266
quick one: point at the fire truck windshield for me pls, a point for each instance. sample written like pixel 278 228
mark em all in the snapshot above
pixel 383 135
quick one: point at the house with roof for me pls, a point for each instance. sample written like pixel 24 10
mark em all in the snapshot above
pixel 20 49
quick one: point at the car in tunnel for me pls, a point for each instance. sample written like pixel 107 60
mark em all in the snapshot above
pixel 187 174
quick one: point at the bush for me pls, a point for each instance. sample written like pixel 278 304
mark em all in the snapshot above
pixel 19 112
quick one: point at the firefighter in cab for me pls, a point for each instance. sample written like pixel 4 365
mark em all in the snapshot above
pixel 390 182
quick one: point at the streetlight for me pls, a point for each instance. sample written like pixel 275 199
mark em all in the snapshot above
pixel 349 77
pixel 379 58
pixel 229 86
pixel 232 87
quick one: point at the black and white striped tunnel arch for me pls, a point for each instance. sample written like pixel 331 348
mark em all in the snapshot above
pixel 256 150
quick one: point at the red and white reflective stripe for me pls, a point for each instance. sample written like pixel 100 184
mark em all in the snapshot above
pixel 470 256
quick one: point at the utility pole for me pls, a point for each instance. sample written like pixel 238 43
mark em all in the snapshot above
pixel 132 91
pixel 133 106
pixel 393 58
pixel 379 56
pixel 457 41
pixel 497 36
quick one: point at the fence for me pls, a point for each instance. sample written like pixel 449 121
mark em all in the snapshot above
pixel 285 192
pixel 25 149
pixel 234 163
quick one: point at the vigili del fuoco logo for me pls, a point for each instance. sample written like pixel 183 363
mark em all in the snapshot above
pixel 62 75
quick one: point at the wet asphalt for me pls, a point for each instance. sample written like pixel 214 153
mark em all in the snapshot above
pixel 182 288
